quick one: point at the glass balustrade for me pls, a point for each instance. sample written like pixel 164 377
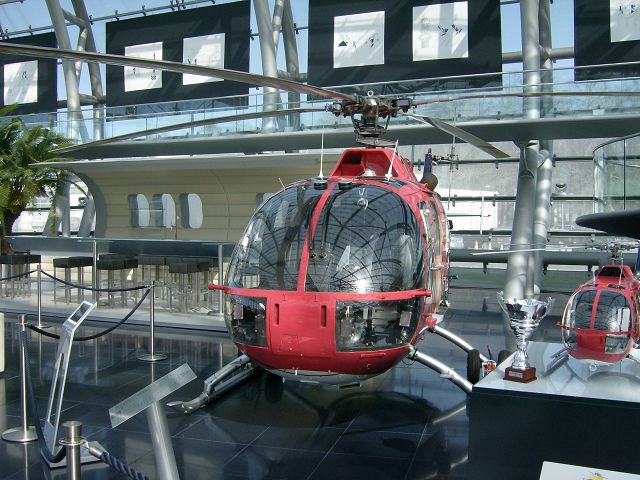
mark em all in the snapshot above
pixel 484 105
pixel 616 167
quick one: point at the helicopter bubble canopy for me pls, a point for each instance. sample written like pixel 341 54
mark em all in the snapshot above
pixel 597 325
pixel 358 238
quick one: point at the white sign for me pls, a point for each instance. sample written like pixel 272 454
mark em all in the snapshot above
pixel 207 50
pixel 136 78
pixel 555 471
pixel 21 82
pixel 441 31
pixel 624 20
pixel 358 40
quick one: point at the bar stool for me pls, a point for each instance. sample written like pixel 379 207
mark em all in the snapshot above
pixel 68 263
pixel 110 265
pixel 182 272
pixel 5 270
pixel 203 269
pixel 153 269
pixel 18 264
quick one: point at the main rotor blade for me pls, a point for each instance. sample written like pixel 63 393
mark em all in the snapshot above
pixel 508 252
pixel 111 59
pixel 416 103
pixel 462 134
pixel 180 126
pixel 624 222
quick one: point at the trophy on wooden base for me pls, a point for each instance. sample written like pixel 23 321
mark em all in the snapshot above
pixel 524 317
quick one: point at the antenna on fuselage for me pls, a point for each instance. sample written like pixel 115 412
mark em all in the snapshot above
pixel 395 149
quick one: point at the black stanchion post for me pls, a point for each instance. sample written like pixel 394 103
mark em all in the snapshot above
pixel 24 433
pixel 72 441
pixel 152 356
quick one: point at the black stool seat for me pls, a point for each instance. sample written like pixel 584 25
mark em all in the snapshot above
pixel 152 260
pixel 130 262
pixel 82 261
pixel 109 264
pixel 66 262
pixel 183 267
pixel 19 258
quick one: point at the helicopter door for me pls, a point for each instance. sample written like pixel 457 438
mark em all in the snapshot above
pixel 613 317
pixel 577 315
pixel 436 265
pixel 431 241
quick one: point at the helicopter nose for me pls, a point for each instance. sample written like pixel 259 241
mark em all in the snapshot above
pixel 300 328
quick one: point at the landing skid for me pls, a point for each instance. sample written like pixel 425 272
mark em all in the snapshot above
pixel 229 376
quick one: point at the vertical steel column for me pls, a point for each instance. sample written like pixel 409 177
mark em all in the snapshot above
pixel 545 170
pixel 291 58
pixel 95 78
pixel 522 231
pixel 63 208
pixel 88 214
pixel 269 61
pixel 76 128
pixel 74 116
pixel 68 67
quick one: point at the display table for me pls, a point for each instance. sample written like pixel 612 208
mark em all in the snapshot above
pixel 570 414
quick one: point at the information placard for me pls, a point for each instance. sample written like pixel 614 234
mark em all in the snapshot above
pixel 379 41
pixel 30 84
pixel 215 36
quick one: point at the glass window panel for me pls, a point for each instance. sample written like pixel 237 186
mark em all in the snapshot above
pixel 163 210
pixel 367 240
pixel 191 210
pixel 138 210
pixel 268 254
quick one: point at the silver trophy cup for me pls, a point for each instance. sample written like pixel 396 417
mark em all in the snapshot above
pixel 524 317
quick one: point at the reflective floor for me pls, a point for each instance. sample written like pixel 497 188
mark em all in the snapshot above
pixel 406 424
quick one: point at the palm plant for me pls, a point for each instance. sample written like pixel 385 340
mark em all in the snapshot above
pixel 21 147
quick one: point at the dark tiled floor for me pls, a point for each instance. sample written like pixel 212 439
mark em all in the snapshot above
pixel 408 423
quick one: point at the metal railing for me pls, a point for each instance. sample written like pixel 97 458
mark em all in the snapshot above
pixel 127 119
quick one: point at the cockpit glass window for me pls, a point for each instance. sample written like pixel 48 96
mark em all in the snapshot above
pixel 268 254
pixel 581 307
pixel 613 313
pixel 367 240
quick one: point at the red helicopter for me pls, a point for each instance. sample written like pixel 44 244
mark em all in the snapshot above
pixel 334 279
pixel 600 321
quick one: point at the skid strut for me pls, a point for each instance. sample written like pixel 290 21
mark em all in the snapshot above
pixel 444 370
pixel 233 373
pixel 453 338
